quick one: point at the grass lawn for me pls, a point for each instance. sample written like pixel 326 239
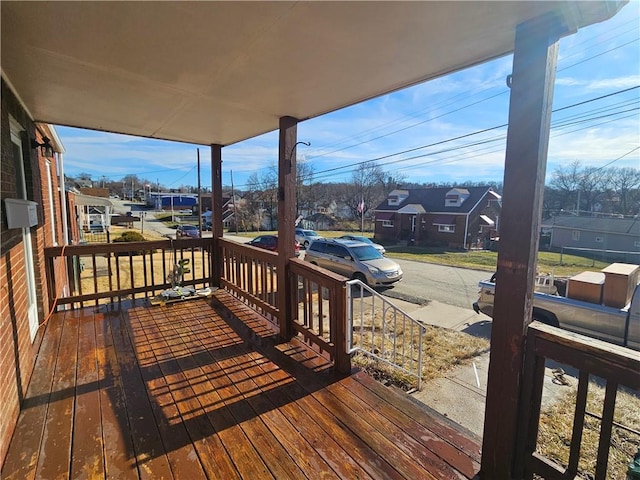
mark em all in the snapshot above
pixel 556 423
pixel 486 260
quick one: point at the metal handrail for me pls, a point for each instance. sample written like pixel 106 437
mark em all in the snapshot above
pixel 395 340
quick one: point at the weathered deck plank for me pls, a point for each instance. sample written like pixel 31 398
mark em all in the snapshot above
pixel 150 453
pixel 184 392
pixel 55 447
pixel 120 461
pixel 22 458
pixel 87 461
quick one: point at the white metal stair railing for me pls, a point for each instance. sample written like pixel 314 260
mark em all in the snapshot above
pixel 377 328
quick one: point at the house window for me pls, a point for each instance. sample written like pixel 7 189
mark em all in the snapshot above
pixel 636 244
pixel 387 223
pixel 575 235
pixel 447 228
pixel 599 239
pixel 452 201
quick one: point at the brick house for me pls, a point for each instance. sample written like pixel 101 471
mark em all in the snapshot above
pixel 455 217
pixel 24 299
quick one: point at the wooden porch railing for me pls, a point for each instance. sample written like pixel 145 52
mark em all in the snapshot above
pixel 615 366
pixel 317 295
pixel 102 273
pixel 320 310
pixel 250 274
pixel 108 271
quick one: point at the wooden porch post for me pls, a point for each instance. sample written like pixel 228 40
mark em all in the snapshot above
pixel 286 219
pixel 216 212
pixel 534 66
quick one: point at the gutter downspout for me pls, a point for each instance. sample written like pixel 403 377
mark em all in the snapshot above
pixel 63 200
pixel 466 230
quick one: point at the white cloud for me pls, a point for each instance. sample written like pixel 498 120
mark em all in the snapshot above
pixel 601 84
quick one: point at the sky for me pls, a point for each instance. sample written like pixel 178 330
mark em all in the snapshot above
pixel 598 68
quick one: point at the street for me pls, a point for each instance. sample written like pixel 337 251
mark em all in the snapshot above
pixel 428 281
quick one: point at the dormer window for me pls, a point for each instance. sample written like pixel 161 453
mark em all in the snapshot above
pixel 396 197
pixel 456 197
pixel 452 201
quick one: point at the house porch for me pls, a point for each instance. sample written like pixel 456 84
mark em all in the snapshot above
pixel 204 389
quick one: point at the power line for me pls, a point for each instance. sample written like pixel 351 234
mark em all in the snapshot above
pixel 477 132
pixel 460 108
pixel 619 158
pixel 559 125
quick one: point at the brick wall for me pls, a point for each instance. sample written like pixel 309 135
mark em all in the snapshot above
pixel 17 351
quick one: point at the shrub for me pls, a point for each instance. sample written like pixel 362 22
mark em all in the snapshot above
pixel 130 236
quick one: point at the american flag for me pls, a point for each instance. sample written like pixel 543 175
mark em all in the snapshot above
pixel 361 206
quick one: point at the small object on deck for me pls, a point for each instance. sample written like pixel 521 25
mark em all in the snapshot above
pixel 178 294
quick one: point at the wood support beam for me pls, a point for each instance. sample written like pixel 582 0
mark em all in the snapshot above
pixel 532 80
pixel 286 219
pixel 216 210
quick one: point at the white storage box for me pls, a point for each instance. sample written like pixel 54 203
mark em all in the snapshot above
pixel 21 213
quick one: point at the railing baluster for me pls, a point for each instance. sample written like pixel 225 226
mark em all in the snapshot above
pixel 164 264
pixel 606 425
pixel 109 274
pixel 578 422
pixel 132 280
pixel 118 282
pixel 321 325
pixel 144 272
pixel 95 275
pixel 80 272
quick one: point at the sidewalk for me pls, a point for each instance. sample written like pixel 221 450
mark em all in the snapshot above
pixel 457 395
pixel 461 394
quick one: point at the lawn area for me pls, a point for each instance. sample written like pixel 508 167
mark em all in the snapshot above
pixel 486 260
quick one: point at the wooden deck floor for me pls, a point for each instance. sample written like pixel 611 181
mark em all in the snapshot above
pixel 184 392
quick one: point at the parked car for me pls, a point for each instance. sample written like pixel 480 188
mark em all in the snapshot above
pixel 357 260
pixel 190 231
pixel 186 211
pixel 270 242
pixel 305 237
pixel 360 238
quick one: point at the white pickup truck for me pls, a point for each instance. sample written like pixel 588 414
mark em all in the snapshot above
pixel 616 325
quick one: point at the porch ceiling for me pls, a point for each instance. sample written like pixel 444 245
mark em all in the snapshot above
pixel 222 72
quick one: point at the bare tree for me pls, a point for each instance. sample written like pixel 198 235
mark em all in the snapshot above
pixel 591 186
pixel 263 189
pixel 625 184
pixel 566 182
pixel 304 182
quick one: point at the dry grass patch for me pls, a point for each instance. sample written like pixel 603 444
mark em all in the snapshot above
pixel 556 423
pixel 442 350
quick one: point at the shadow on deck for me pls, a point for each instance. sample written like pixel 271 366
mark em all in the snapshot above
pixel 203 389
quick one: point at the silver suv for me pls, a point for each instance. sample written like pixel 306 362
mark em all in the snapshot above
pixel 354 259
pixel 305 237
